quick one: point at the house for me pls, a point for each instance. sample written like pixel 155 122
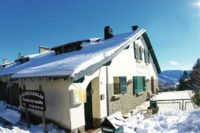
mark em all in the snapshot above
pixel 85 81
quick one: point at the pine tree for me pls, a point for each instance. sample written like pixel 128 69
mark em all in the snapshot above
pixel 195 75
pixel 195 82
pixel 183 81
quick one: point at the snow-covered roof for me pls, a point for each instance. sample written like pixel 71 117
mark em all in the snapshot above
pixel 34 60
pixel 76 64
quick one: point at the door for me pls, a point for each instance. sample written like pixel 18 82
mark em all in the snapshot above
pixel 88 108
pixel 152 85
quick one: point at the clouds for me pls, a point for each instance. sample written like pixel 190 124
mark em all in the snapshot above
pixel 173 63
pixel 196 4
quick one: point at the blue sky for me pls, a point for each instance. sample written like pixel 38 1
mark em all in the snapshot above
pixel 173 25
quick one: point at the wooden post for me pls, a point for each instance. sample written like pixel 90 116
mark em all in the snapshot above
pixel 27 118
pixel 43 116
pixel 44 122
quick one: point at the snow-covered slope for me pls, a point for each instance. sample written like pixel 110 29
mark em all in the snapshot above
pixel 170 76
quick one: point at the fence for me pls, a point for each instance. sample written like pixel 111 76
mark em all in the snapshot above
pixel 181 102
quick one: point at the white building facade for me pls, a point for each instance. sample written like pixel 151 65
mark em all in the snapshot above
pixel 111 75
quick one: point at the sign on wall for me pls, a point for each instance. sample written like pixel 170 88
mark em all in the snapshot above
pixel 33 99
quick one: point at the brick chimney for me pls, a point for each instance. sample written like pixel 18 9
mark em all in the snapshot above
pixel 135 27
pixel 108 33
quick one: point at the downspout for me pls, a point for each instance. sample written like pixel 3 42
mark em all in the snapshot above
pixel 107 91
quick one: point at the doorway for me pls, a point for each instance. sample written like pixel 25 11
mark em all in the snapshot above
pixel 88 108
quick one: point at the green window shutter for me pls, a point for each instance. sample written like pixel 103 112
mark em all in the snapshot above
pixel 145 56
pixel 123 85
pixel 135 91
pixel 148 57
pixel 144 83
pixel 139 85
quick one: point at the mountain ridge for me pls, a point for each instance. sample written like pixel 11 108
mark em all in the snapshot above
pixel 170 78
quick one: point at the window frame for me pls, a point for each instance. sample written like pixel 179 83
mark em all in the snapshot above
pixel 120 85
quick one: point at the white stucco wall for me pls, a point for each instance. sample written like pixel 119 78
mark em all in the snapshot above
pixel 99 106
pixel 125 64
pixel 57 99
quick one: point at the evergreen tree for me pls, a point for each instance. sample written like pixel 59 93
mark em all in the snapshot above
pixel 183 81
pixel 195 75
pixel 195 82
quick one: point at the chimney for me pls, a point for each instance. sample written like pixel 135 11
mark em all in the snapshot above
pixel 43 49
pixel 135 27
pixel 5 60
pixel 108 33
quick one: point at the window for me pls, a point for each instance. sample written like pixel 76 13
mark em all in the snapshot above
pixel 120 85
pixel 136 51
pixel 140 53
pixel 148 58
pixel 139 84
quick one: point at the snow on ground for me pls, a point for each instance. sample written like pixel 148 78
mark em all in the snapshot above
pixel 165 122
pixel 10 115
pixel 19 125
pixel 170 119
